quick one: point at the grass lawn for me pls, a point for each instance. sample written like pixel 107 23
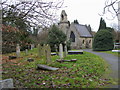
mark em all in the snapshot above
pixel 87 72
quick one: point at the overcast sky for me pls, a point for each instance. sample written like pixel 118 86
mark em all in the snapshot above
pixel 87 12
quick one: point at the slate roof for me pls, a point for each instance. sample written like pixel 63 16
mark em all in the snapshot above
pixel 83 30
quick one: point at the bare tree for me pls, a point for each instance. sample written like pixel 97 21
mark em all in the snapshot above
pixel 111 7
pixel 33 12
pixel 114 26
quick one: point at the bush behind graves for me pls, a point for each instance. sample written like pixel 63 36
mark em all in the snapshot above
pixel 55 37
pixel 11 36
pixel 103 40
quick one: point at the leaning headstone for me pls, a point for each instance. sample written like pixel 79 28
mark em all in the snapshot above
pixel 60 51
pixel 7 83
pixel 18 50
pixel 45 67
pixel 48 54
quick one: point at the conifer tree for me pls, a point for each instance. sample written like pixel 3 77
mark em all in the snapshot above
pixel 102 24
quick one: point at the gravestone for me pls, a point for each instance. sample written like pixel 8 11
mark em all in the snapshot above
pixel 75 52
pixel 115 50
pixel 12 57
pixel 65 53
pixel 39 50
pixel 56 49
pixel 43 50
pixel 32 46
pixel 26 51
pixel 48 53
pixel 7 83
pixel 45 67
pixel 18 50
pixel 60 51
pixel 30 60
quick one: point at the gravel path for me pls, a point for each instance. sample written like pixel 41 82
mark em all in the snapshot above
pixel 112 60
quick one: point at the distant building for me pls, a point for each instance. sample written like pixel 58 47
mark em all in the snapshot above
pixel 79 35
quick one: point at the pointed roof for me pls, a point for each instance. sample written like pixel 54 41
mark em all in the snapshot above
pixel 82 30
pixel 63 12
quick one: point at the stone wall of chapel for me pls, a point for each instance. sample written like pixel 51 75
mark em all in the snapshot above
pixel 77 43
pixel 84 41
pixel 64 27
pixel 80 42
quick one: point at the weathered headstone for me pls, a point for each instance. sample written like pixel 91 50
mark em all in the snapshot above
pixel 39 50
pixel 18 50
pixel 75 52
pixel 7 83
pixel 43 50
pixel 56 49
pixel 26 51
pixel 32 46
pixel 65 48
pixel 47 53
pixel 60 51
pixel 45 67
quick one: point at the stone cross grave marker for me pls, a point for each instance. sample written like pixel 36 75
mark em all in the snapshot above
pixel 18 50
pixel 60 51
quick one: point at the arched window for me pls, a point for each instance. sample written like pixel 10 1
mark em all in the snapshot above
pixel 62 17
pixel 83 41
pixel 90 41
pixel 72 36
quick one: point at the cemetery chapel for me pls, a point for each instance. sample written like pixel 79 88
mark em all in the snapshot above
pixel 79 35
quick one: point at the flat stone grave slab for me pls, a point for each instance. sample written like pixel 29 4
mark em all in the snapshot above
pixel 115 50
pixel 30 60
pixel 7 83
pixel 45 67
pixel 53 54
pixel 12 57
pixel 72 60
pixel 75 52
